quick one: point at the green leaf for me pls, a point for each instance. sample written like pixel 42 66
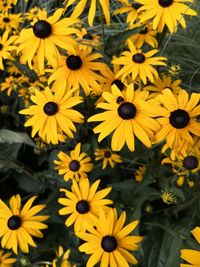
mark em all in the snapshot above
pixel 115 42
pixel 10 137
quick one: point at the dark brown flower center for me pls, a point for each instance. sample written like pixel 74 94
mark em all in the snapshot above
pixel 179 118
pixel 127 111
pixel 138 58
pixel 107 154
pixel 50 108
pixel 74 165
pixel 118 83
pixel 190 162
pixel 6 20
pixel 136 5
pixel 165 3
pixel 74 62
pixel 82 206
pixel 42 29
pixel 88 36
pixel 144 31
pixel 109 243
pixel 120 100
pixel 14 222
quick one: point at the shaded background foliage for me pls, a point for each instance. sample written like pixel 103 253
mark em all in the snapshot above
pixel 26 170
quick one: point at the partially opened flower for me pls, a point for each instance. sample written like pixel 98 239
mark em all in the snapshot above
pixel 192 257
pixel 109 241
pixel 19 224
pixel 125 117
pixel 75 165
pixel 166 12
pixel 138 64
pixel 83 202
pixel 53 114
pixel 80 7
pixel 43 38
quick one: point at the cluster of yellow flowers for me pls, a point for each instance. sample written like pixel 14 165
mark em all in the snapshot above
pixel 54 63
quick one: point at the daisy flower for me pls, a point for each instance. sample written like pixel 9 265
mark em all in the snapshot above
pixel 6 46
pixel 80 6
pixel 192 257
pixel 125 116
pixel 52 114
pixel 6 260
pixel 74 166
pixel 109 241
pixel 165 12
pixel 42 39
pixel 178 117
pixel 19 224
pixel 108 157
pixel 10 21
pixel 83 202
pixel 77 69
pixel 138 64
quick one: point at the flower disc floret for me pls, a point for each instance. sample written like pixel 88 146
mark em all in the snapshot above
pixel 14 222
pixel 74 62
pixel 190 162
pixel 42 29
pixel 179 118
pixel 109 243
pixel 82 207
pixel 165 3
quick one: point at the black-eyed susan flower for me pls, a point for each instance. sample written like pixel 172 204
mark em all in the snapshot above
pixel 10 21
pixel 87 39
pixel 43 38
pixel 83 202
pixel 177 117
pixel 163 82
pixel 75 165
pixel 146 35
pixel 6 47
pixel 192 257
pixel 109 241
pixel 53 114
pixel 5 5
pixel 130 7
pixel 166 12
pixel 125 116
pixel 77 69
pixel 108 157
pixel 138 64
pixel 80 6
pixel 5 259
pixel 32 13
pixel 19 224
pixel 10 84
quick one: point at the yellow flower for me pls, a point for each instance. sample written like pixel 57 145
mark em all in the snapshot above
pixel 146 35
pixel 83 202
pixel 125 116
pixel 5 260
pixel 10 21
pixel 42 39
pixel 108 157
pixel 165 12
pixel 138 64
pixel 77 69
pixel 168 197
pixel 19 224
pixel 10 84
pixel 190 255
pixel 32 13
pixel 86 39
pixel 131 9
pixel 75 166
pixel 5 5
pixel 109 241
pixel 80 6
pixel 63 258
pixel 53 114
pixel 177 117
